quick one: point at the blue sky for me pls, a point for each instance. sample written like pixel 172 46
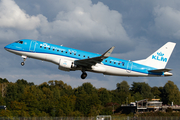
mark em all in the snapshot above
pixel 136 28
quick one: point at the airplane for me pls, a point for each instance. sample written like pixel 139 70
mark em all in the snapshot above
pixel 69 59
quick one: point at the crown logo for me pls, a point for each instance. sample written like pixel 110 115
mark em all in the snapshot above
pixel 160 54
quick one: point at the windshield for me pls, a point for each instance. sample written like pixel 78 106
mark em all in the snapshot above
pixel 21 42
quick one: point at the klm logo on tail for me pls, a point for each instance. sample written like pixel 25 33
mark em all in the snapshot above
pixel 159 57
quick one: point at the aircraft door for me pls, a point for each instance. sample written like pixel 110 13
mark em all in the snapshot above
pixel 129 66
pixel 32 46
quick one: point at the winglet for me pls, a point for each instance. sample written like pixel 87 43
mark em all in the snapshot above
pixel 107 53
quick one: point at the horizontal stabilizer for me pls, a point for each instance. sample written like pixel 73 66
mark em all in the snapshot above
pixel 160 70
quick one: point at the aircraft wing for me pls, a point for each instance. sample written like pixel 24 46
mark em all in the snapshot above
pixel 161 70
pixel 92 61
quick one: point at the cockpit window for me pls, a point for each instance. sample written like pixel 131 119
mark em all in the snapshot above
pixel 21 42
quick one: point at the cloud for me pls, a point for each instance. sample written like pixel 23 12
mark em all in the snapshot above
pixel 167 21
pixel 11 16
pixel 78 21
pixel 87 23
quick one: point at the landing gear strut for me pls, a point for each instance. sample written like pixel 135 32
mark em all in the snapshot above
pixel 24 59
pixel 83 75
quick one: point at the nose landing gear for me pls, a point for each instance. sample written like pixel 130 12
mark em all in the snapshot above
pixel 24 59
pixel 22 63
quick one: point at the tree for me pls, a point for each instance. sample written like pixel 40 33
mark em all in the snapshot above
pixel 171 93
pixel 143 88
pixel 24 82
pixel 156 92
pixel 87 98
pixel 14 92
pixel 104 96
pixel 88 88
pixel 2 101
pixel 123 86
pixel 3 80
pixel 122 92
pixel 138 96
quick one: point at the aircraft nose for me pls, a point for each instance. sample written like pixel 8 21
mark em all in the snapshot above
pixel 7 47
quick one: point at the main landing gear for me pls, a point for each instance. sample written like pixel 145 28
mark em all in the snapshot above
pixel 83 75
pixel 24 59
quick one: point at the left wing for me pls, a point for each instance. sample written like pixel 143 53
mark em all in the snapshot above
pixel 92 61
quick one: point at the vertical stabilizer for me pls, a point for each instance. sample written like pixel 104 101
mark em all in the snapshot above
pixel 159 58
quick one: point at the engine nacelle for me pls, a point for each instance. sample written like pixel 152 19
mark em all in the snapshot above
pixel 98 69
pixel 65 64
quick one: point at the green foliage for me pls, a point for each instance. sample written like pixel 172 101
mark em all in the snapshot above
pixel 56 98
pixel 2 101
pixel 123 86
pixel 104 96
pixel 156 92
pixel 3 80
pixel 171 93
pixel 142 88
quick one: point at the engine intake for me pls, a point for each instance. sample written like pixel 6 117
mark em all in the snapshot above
pixel 66 65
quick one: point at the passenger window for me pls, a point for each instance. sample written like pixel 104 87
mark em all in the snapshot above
pixel 66 52
pixel 70 53
pixel 110 61
pixel 105 60
pixel 53 49
pixel 49 48
pixel 114 62
pixel 61 51
pixel 79 55
pixel 57 50
pixel 40 46
pixel 44 47
pixel 123 63
pixel 118 63
pixel 74 53
pixel 84 56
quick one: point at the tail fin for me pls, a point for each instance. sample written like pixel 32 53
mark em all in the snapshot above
pixel 159 58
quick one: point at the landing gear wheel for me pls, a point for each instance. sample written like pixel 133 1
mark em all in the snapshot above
pixel 22 63
pixel 84 75
pixel 24 59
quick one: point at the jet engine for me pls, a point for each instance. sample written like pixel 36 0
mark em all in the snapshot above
pixel 66 65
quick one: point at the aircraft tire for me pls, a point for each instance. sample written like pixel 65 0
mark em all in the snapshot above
pixel 22 63
pixel 84 75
